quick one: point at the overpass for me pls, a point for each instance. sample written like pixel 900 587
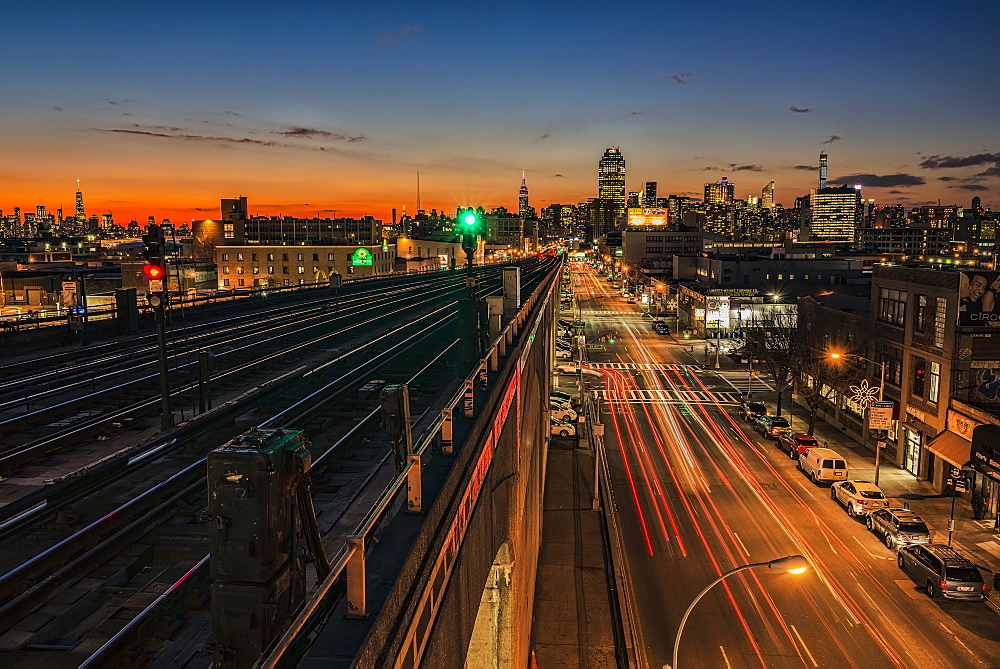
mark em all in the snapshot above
pixel 443 567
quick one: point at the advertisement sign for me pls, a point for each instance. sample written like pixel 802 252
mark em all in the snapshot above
pixel 880 416
pixel 641 216
pixel 979 299
pixel 361 257
pixel 717 311
pixel 67 296
pixel 986 450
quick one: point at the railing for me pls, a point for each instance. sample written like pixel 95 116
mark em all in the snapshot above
pixel 351 558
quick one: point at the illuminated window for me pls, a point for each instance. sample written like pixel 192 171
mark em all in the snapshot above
pixel 299 259
pixel 256 270
pixel 239 257
pixel 270 257
pixel 225 282
pixel 934 385
pixel 225 257
pixel 225 270
pixel 270 269
pixel 239 269
pixel 940 312
pixel 241 283
pixel 892 306
pixel 919 384
pixel 302 270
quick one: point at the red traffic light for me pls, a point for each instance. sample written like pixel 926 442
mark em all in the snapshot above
pixel 153 272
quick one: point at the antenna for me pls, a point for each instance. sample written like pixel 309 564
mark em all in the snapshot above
pixel 418 191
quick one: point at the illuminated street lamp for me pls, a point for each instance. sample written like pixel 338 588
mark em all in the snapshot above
pixel 865 396
pixel 793 564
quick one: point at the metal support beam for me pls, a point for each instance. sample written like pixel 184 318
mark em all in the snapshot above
pixel 357 602
pixel 414 488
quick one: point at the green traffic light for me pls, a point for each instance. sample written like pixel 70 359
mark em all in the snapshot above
pixel 470 219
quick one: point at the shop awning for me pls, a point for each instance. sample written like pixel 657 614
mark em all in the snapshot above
pixel 951 447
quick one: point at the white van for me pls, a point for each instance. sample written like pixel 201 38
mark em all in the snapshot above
pixel 823 464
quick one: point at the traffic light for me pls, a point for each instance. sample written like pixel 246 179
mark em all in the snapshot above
pixel 153 252
pixel 469 223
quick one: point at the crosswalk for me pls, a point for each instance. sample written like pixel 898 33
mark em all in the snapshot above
pixel 642 366
pixel 739 379
pixel 668 396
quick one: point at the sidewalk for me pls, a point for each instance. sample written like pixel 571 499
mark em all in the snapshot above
pixel 573 618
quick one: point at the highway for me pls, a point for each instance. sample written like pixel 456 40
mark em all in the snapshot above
pixel 697 493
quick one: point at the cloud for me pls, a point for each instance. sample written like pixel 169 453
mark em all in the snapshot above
pixel 733 167
pixel 161 128
pixel 946 179
pixel 882 181
pixel 940 162
pixel 59 109
pixel 112 102
pixel 896 192
pixel 831 139
pixel 231 113
pixel 680 79
pixel 545 136
pixel 559 175
pixel 800 111
pixel 970 187
pixel 709 169
pixel 804 167
pixel 405 34
pixel 323 134
pixel 635 113
pixel 204 208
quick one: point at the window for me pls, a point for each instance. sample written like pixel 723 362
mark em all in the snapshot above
pixel 302 270
pixel 225 257
pixel 934 385
pixel 270 257
pixel 329 257
pixel 270 269
pixel 893 359
pixel 654 239
pixel 891 306
pixel 315 257
pixel 920 315
pixel 253 257
pixel 256 269
pixel 299 258
pixel 919 375
pixel 241 282
pixel 239 269
pixel 239 257
pixel 654 249
pixel 225 270
pixel 940 311
pixel 225 282
pixel 284 257
pixel 227 231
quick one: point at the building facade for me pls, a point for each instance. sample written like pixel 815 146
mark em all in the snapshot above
pixel 611 190
pixel 833 214
pixel 273 265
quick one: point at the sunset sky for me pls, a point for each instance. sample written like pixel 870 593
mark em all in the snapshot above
pixel 314 108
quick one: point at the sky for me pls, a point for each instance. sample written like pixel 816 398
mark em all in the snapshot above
pixel 333 108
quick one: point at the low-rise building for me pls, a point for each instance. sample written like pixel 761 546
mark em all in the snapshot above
pixel 262 266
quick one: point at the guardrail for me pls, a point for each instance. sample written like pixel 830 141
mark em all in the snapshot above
pixel 351 559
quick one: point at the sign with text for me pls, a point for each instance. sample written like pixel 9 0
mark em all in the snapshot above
pixel 880 416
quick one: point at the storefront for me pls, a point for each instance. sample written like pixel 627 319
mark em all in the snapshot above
pixel 986 478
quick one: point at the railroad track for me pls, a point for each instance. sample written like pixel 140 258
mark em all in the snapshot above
pixel 107 557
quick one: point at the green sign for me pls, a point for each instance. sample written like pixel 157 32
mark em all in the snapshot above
pixel 595 346
pixel 361 257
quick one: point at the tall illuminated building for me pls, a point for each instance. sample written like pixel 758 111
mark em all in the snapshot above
pixel 722 193
pixel 834 214
pixel 649 195
pixel 611 191
pixel 80 215
pixel 767 196
pixel 522 199
pixel 822 169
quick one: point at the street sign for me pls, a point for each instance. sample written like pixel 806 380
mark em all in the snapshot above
pixel 880 416
pixel 595 346
pixel 156 285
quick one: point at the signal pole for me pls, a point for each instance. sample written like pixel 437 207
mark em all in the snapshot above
pixel 157 296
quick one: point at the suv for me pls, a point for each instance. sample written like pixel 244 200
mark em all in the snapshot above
pixel 898 527
pixel 796 443
pixel 749 410
pixel 945 572
pixel 858 497
pixel 771 426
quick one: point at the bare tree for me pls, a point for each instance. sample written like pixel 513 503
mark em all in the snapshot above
pixel 771 343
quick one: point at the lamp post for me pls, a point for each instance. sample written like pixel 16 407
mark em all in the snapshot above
pixel 793 564
pixel 867 404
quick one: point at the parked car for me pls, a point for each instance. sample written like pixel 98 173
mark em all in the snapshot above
pixel 563 411
pixel 796 443
pixel 748 410
pixel 943 571
pixel 898 527
pixel 561 428
pixel 561 395
pixel 630 300
pixel 563 354
pixel 859 497
pixel 771 426
pixel 822 464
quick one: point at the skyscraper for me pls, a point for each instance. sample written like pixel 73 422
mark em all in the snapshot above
pixel 649 195
pixel 833 214
pixel 767 196
pixel 611 190
pixel 80 215
pixel 720 194
pixel 822 169
pixel 522 199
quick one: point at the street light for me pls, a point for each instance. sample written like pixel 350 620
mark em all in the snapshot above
pixel 793 564
pixel 881 390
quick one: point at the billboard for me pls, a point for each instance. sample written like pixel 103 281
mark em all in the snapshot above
pixel 979 299
pixel 642 216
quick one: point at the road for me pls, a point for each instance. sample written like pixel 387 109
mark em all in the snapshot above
pixel 698 493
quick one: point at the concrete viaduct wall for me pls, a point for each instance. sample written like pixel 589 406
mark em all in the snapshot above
pixel 466 589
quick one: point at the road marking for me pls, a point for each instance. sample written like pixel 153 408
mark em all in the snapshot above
pixel 724 656
pixel 955 636
pixel 740 541
pixel 804 646
pixel 873 556
pixel 909 589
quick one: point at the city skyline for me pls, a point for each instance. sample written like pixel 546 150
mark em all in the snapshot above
pixel 164 117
